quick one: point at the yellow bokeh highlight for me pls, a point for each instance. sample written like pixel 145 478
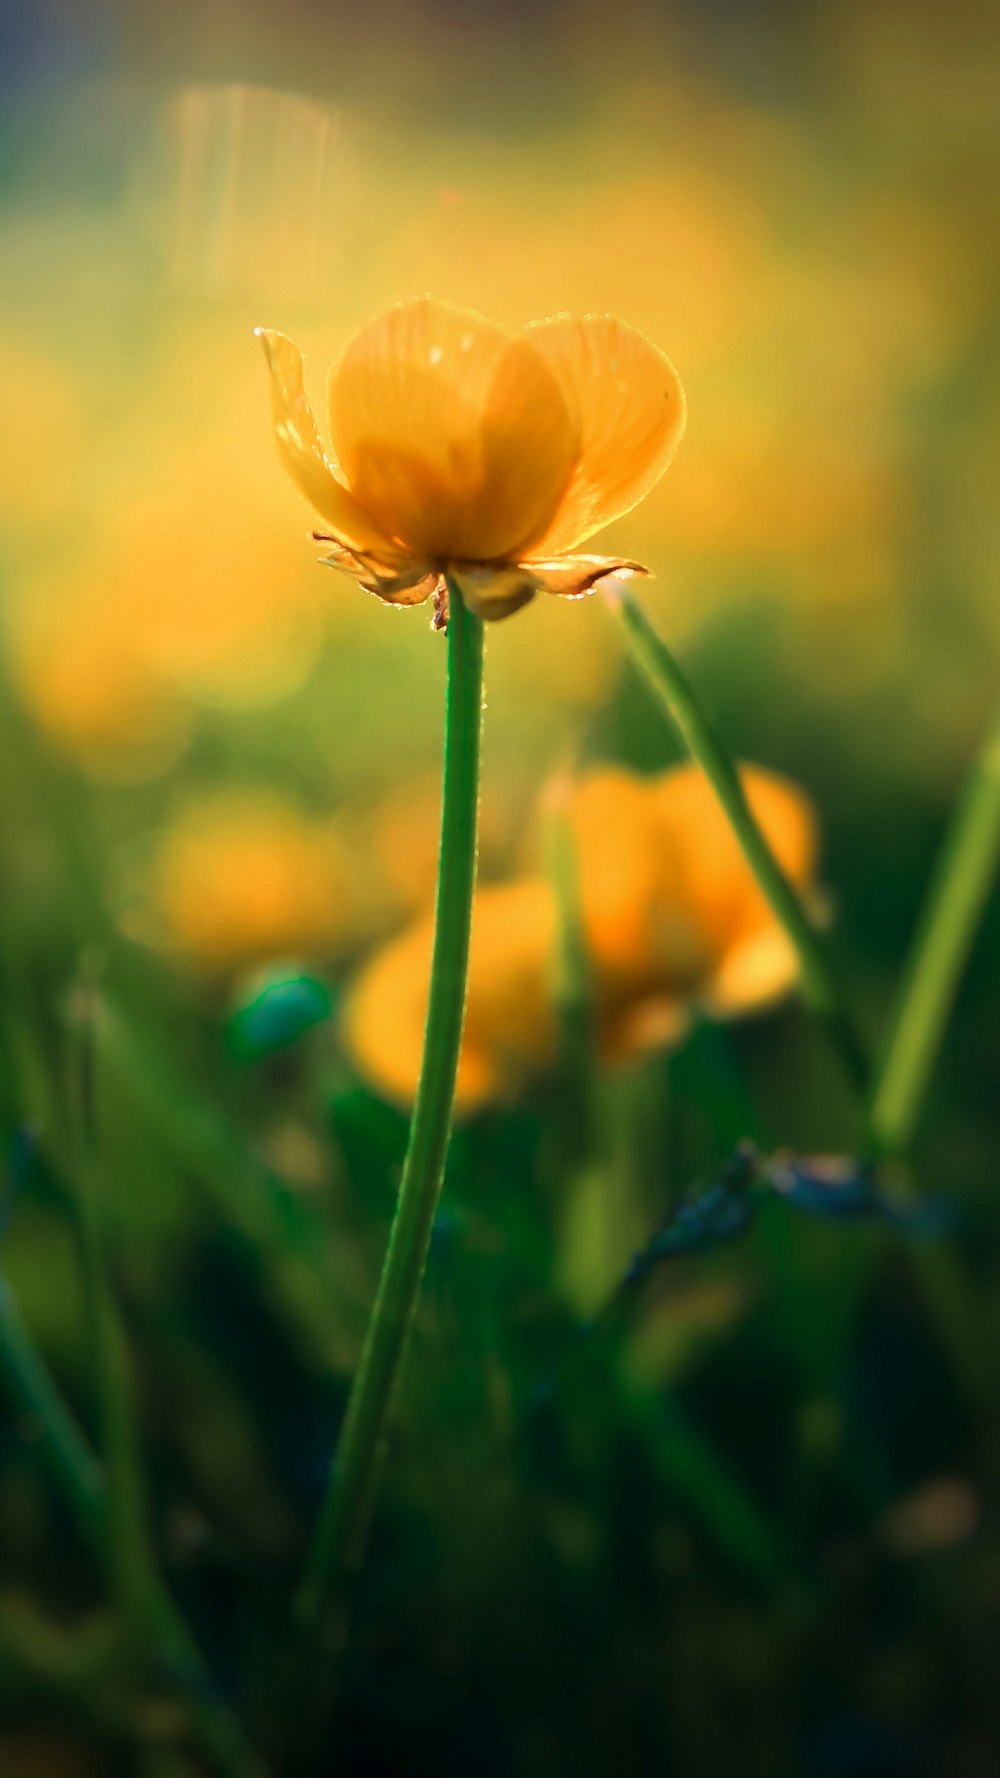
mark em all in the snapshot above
pixel 242 878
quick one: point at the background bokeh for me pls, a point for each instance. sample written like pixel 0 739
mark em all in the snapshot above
pixel 220 758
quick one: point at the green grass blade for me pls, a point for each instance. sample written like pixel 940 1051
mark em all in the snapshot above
pixel 674 691
pixel 959 888
pixel 126 1525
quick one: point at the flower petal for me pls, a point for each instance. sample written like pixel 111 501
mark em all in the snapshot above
pixel 456 434
pixel 753 975
pixel 572 577
pixel 411 586
pixel 639 938
pixel 495 590
pixel 752 960
pixel 632 409
pixel 302 453
pixel 638 1027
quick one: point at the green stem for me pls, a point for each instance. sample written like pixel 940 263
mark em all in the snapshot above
pixel 128 1549
pixel 80 1479
pixel 959 887
pixel 74 1468
pixel 355 1469
pixel 573 992
pixel 680 701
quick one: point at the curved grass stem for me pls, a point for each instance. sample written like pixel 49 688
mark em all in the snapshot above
pixel 675 693
pixel 355 1469
pixel 960 884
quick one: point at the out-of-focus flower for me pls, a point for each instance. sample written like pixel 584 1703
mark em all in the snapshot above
pixel 672 919
pixel 174 580
pixel 510 1021
pixel 672 913
pixel 241 879
pixel 395 838
pixel 92 691
pixel 462 447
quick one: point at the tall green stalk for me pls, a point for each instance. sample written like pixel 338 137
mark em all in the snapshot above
pixel 959 887
pixel 964 871
pixel 355 1469
pixel 675 693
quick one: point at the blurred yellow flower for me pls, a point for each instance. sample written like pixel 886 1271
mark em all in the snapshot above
pixel 90 689
pixel 510 1023
pixel 672 913
pixel 492 455
pixel 393 841
pixel 243 878
pixel 672 920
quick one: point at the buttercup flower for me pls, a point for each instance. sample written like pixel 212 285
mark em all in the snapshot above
pixel 510 1022
pixel 460 447
pixel 672 913
pixel 672 920
pixel 240 879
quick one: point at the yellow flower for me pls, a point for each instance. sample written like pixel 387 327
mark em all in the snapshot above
pixel 672 920
pixel 243 878
pixel 461 447
pixel 672 913
pixel 510 1023
pixel 91 690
